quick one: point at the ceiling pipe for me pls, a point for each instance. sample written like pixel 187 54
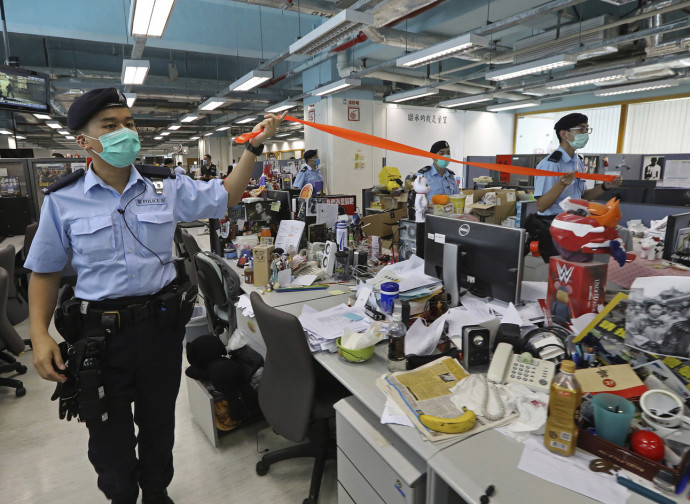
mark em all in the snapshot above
pixel 304 6
pixel 423 81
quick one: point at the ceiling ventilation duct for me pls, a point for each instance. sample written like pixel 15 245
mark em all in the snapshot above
pixel 655 46
pixel 548 43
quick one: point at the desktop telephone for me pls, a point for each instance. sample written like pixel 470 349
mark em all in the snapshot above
pixel 508 367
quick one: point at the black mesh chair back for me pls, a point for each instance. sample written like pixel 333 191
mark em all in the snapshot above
pixel 191 248
pixel 17 307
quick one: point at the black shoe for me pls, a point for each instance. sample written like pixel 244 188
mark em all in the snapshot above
pixel 156 498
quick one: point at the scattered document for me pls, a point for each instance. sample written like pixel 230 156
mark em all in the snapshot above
pixel 244 304
pixel 304 280
pixel 326 213
pixel 392 414
pixel 533 291
pixel 324 327
pixel 289 235
pixel 572 473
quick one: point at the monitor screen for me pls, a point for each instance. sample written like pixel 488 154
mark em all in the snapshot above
pixel 672 197
pixel 23 90
pixel 489 258
pixel 677 239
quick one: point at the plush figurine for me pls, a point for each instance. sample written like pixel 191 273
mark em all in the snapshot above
pixel 648 252
pixel 587 228
pixel 421 187
pixel 659 249
pixel 560 307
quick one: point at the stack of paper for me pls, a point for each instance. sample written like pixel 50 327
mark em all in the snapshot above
pixel 408 274
pixel 324 327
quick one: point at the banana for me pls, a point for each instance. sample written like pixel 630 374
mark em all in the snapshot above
pixel 456 425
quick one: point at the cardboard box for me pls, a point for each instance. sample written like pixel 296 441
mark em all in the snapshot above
pixel 384 223
pixel 385 201
pixel 504 207
pixel 263 255
pixel 574 288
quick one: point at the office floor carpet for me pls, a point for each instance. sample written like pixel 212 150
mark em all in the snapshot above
pixel 43 459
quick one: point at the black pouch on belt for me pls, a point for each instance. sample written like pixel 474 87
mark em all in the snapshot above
pixel 68 320
pixel 166 309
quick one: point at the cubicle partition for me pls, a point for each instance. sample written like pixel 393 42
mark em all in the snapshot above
pixel 44 171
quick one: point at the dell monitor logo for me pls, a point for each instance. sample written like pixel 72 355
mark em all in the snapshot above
pixel 464 230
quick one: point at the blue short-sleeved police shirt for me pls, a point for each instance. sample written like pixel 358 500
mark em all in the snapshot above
pixel 308 176
pixel 564 165
pixel 94 221
pixel 440 184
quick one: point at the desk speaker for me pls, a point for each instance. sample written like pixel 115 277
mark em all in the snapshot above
pixel 328 260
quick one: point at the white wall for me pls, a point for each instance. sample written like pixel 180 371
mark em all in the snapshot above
pixel 295 145
pixel 660 126
pixel 487 133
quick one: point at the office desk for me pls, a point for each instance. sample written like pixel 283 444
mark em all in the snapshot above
pixel 17 241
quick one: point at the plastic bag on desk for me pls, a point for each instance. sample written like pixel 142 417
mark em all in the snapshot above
pixel 237 340
pixel 359 341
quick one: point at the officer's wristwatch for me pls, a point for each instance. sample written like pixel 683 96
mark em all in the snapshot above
pixel 257 151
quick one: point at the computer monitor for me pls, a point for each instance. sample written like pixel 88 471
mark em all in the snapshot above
pixel 485 258
pixel 285 203
pixel 23 90
pixel 631 191
pixel 677 239
pixel 676 196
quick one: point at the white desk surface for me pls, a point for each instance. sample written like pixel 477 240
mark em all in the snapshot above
pixel 17 241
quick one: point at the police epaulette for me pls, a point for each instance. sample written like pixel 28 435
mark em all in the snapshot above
pixel 451 172
pixel 556 156
pixel 151 171
pixel 63 181
pixel 425 169
pixel 304 168
pixel 581 157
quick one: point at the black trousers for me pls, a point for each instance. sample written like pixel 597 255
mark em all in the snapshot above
pixel 142 365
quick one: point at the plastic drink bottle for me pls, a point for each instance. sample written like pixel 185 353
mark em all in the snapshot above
pixel 560 433
pixel 396 344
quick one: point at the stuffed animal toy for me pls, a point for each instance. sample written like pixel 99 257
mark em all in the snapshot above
pixel 421 187
pixel 659 249
pixel 648 245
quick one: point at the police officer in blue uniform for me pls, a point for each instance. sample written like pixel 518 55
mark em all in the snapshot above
pixel 309 173
pixel 573 132
pixel 118 222
pixel 441 179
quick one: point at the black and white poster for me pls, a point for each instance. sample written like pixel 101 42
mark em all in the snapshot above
pixel 653 168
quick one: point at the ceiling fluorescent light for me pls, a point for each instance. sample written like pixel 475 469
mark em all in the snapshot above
pixel 5 132
pixel 174 127
pixel 245 120
pixel 134 71
pixel 411 94
pixel 595 53
pixel 513 105
pixel 334 87
pixel 63 132
pixel 251 80
pixel 131 98
pixel 148 18
pixel 164 133
pixel 223 128
pixel 189 118
pixel 280 107
pixel 586 79
pixel 341 25
pixel 54 124
pixel 283 135
pixel 636 88
pixel 212 103
pixel 466 100
pixel 195 138
pixel 69 137
pixel 209 134
pixel 19 137
pixel 533 67
pixel 158 138
pixel 443 50
pixel 43 117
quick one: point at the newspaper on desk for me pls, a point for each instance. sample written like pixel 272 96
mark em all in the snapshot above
pixel 427 391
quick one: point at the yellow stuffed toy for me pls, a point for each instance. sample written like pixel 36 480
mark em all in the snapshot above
pixel 390 179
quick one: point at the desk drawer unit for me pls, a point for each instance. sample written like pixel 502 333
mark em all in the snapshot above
pixel 373 466
pixel 343 496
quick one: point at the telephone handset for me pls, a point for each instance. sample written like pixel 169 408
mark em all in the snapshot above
pixel 508 367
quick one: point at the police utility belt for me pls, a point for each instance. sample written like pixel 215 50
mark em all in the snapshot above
pixel 86 324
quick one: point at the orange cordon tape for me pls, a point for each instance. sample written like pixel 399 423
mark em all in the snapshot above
pixel 382 143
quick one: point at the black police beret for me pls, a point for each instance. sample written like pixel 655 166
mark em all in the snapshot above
pixel 92 102
pixel 570 121
pixel 441 144
pixel 309 154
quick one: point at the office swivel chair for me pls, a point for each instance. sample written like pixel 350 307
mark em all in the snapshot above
pixel 220 287
pixel 21 274
pixel 296 395
pixel 17 306
pixel 9 340
pixel 191 249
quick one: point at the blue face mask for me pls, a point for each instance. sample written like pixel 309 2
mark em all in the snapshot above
pixel 442 164
pixel 317 162
pixel 120 148
pixel 579 140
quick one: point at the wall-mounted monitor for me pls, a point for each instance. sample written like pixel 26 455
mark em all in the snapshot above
pixel 23 90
